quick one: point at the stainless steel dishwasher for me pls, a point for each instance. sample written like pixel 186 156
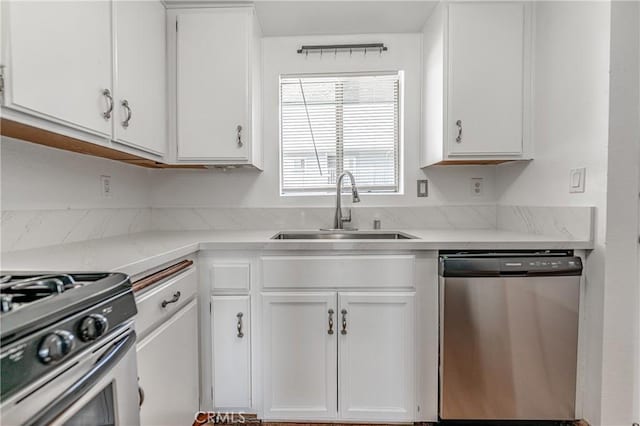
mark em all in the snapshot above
pixel 508 335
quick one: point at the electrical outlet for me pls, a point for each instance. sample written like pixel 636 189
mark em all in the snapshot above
pixel 105 185
pixel 576 180
pixel 477 187
pixel 423 188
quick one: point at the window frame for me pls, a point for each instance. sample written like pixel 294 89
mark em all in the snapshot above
pixel 368 190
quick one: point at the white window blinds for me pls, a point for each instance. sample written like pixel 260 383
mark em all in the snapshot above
pixel 332 123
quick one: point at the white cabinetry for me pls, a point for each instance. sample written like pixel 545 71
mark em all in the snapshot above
pixel 168 350
pixel 477 83
pixel 376 356
pixel 356 345
pixel 168 370
pixel 58 62
pixel 231 334
pixel 230 331
pixel 94 71
pixel 216 111
pixel 140 69
pixel 300 356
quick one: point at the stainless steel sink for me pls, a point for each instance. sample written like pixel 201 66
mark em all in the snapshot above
pixel 341 235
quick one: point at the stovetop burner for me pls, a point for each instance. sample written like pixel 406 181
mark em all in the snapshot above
pixel 17 291
pixel 48 318
pixel 29 301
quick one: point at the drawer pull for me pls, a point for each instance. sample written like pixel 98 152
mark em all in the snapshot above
pixel 344 321
pixel 239 326
pixel 330 331
pixel 174 299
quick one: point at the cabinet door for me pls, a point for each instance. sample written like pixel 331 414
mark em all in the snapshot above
pixel 376 359
pixel 140 28
pixel 60 61
pixel 169 372
pixel 231 328
pixel 300 356
pixel 213 84
pixel 486 78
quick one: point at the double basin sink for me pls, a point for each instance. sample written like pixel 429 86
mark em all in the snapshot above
pixel 341 235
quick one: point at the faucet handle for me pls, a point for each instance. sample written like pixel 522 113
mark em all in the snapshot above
pixel 347 218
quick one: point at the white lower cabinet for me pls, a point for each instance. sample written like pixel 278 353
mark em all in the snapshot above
pixel 376 356
pixel 168 370
pixel 300 356
pixel 334 355
pixel 231 349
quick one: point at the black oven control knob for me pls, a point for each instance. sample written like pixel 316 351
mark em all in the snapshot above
pixel 56 345
pixel 92 327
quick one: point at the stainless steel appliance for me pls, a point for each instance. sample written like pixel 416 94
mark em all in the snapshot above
pixel 508 335
pixel 67 352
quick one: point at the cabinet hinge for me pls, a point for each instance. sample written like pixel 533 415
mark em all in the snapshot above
pixel 1 79
pixel 209 307
pixel 176 25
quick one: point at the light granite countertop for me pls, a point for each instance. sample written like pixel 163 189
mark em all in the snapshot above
pixel 135 253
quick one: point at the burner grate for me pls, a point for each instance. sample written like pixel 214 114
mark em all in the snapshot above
pixel 17 291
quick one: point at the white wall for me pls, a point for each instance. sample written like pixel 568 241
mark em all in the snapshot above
pixel 571 130
pixel 448 185
pixel 36 178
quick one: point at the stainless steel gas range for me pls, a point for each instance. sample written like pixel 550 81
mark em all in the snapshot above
pixel 67 351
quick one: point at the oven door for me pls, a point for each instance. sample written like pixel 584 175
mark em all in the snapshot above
pixel 97 388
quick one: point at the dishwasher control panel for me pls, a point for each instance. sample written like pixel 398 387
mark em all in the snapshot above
pixel 481 266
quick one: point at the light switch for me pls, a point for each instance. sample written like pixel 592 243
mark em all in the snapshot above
pixel 423 188
pixel 576 180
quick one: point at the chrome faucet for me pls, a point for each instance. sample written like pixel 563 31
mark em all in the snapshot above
pixel 339 220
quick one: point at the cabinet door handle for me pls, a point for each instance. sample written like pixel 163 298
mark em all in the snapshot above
pixel 140 396
pixel 125 104
pixel 459 137
pixel 330 331
pixel 344 321
pixel 239 325
pixel 107 94
pixel 239 131
pixel 174 299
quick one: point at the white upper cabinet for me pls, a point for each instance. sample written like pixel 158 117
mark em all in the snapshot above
pixel 140 110
pixel 58 62
pixel 477 83
pixel 217 85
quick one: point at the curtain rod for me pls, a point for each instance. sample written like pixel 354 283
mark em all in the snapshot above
pixel 343 47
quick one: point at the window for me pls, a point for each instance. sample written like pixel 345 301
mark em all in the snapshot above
pixel 332 123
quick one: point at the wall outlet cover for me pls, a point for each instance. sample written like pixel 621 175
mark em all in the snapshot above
pixel 105 186
pixel 477 187
pixel 576 180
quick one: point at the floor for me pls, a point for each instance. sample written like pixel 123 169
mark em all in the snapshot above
pixel 253 420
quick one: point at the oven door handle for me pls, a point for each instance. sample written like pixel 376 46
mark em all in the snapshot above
pixel 52 410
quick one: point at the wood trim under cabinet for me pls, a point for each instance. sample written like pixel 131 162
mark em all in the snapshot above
pixel 163 274
pixel 471 162
pixel 24 132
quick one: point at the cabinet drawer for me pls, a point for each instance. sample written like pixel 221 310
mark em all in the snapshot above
pixel 230 276
pixel 149 302
pixel 379 271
